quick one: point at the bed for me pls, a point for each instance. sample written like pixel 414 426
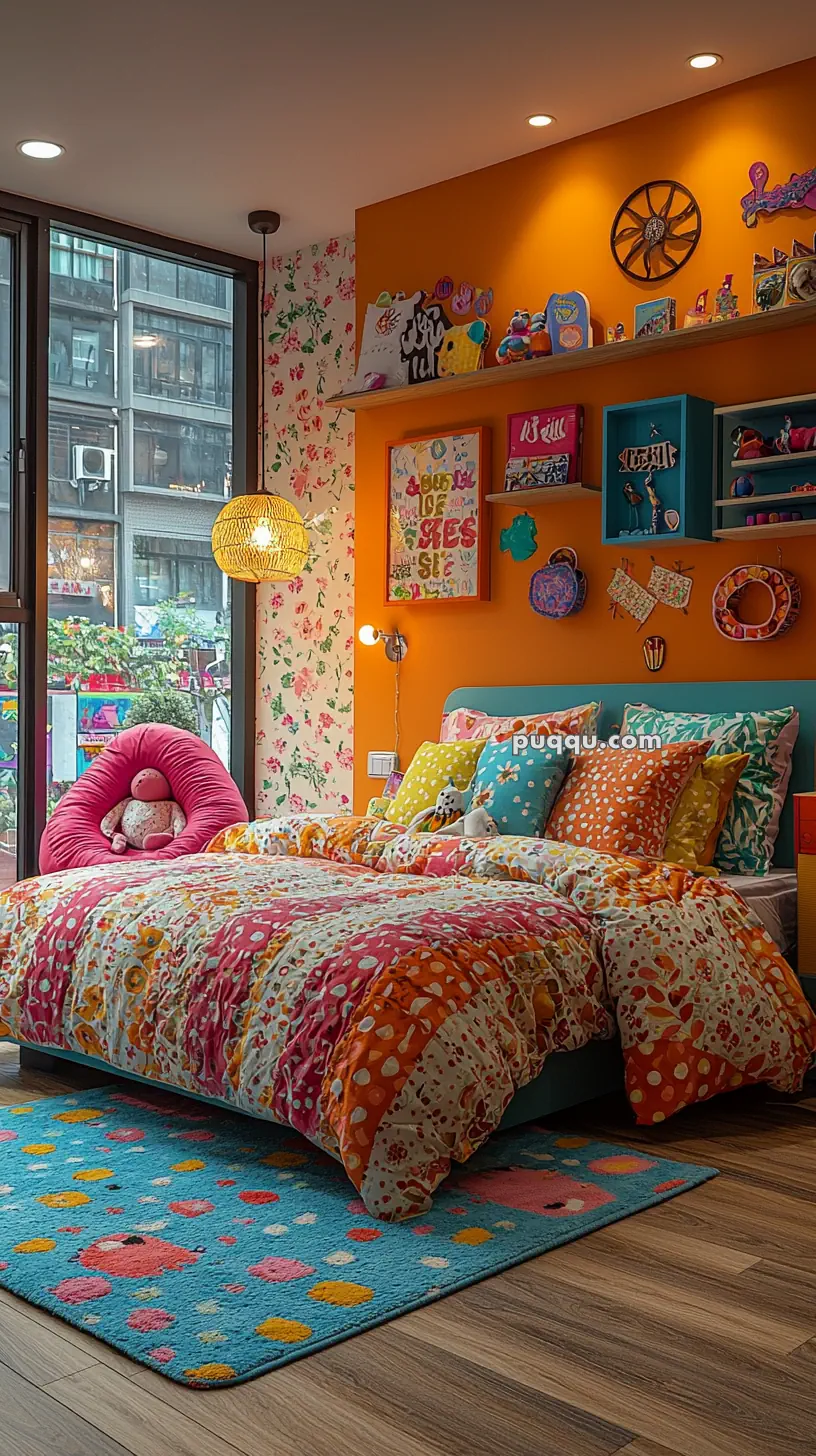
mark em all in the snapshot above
pixel 395 998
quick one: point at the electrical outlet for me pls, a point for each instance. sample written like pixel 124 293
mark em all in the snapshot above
pixel 380 765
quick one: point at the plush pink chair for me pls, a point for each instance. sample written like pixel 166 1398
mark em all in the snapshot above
pixel 197 778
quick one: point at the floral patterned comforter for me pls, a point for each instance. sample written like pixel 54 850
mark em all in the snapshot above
pixel 385 994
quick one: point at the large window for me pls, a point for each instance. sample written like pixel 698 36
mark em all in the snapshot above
pixel 6 404
pixel 181 570
pixel 110 600
pixel 176 280
pixel 173 455
pixel 179 359
pixel 82 353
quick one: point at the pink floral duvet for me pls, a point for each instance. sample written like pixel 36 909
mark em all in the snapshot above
pixel 385 994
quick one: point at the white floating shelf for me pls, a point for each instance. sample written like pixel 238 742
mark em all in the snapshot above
pixel 763 533
pixel 749 501
pixel 747 467
pixel 544 494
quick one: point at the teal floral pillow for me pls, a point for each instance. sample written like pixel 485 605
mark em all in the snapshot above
pixel 746 844
pixel 518 790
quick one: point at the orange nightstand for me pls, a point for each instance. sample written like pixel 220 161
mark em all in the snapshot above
pixel 804 809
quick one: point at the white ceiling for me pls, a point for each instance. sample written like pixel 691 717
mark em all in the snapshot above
pixel 182 115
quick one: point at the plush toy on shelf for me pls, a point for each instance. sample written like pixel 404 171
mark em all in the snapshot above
pixel 149 819
pixel 516 344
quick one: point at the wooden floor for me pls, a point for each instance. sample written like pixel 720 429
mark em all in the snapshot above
pixel 687 1330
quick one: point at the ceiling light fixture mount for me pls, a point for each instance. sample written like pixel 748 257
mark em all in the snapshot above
pixel 42 150
pixel 540 118
pixel 264 221
pixel 704 61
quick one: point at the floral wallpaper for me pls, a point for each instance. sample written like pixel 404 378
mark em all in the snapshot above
pixel 304 709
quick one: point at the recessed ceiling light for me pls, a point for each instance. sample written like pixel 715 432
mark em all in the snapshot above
pixel 704 61
pixel 45 151
pixel 540 119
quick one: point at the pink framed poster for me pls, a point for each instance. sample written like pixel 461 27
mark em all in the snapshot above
pixel 438 531
pixel 544 447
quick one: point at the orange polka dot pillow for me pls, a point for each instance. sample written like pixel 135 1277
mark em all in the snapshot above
pixel 622 800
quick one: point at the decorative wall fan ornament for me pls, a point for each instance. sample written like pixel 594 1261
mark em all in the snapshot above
pixel 655 231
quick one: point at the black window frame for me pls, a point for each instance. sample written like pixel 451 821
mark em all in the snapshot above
pixel 26 602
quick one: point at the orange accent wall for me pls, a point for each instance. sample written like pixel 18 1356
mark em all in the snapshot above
pixel 528 227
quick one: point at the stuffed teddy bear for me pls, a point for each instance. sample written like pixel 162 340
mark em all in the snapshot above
pixel 149 819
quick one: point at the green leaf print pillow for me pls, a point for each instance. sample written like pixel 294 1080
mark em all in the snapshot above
pixel 748 836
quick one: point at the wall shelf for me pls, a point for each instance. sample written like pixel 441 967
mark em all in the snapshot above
pixel 764 533
pixel 755 324
pixel 749 502
pixel 545 494
pixel 747 467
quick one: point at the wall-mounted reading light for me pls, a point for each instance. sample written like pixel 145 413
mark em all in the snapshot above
pixel 394 643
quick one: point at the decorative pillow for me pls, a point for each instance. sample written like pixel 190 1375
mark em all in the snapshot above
pixel 751 825
pixel 431 768
pixel 518 790
pixel 465 723
pixel 701 809
pixel 622 800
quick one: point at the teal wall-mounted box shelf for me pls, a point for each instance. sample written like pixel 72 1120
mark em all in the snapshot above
pixel 681 477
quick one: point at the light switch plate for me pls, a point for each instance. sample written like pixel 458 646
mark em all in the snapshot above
pixel 380 765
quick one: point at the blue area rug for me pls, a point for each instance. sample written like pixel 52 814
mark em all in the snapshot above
pixel 213 1248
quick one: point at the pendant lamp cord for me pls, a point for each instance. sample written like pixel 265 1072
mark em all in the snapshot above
pixel 263 369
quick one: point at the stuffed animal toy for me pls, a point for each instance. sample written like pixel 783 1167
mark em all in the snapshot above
pixel 450 805
pixel 749 444
pixel 792 438
pixel 516 343
pixel 149 819
pixel 477 824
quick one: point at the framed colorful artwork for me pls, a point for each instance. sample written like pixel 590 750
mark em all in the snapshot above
pixel 438 533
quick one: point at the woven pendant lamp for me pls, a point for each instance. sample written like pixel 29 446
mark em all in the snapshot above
pixel 261 537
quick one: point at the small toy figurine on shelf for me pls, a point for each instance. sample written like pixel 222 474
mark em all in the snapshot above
pixel 807 488
pixel 794 438
pixel 540 344
pixel 634 499
pixel 749 444
pixel 655 502
pixel 725 302
pixel 742 486
pixel 615 334
pixel 699 314
pixel 516 343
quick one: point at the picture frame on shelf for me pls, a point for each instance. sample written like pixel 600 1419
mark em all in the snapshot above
pixel 437 527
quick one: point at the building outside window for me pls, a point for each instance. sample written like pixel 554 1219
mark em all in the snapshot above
pixel 177 358
pixel 174 455
pixel 82 353
pixel 172 570
pixel 82 460
pixel 140 461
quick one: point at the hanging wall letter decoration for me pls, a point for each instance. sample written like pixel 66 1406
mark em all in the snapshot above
pixel 798 191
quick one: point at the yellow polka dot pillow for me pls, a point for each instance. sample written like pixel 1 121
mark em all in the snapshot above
pixel 622 800
pixel 701 809
pixel 432 768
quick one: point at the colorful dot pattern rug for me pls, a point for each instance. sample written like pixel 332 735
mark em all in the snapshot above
pixel 213 1248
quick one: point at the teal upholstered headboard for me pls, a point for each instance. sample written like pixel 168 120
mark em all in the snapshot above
pixel 691 697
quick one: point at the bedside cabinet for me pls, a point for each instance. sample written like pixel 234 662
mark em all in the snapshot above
pixel 804 810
